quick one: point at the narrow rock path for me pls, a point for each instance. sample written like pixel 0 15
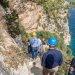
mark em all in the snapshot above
pixel 35 68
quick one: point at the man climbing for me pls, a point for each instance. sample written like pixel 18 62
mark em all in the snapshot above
pixel 52 59
pixel 72 67
pixel 34 42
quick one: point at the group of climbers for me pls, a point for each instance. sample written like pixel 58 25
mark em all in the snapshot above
pixel 52 59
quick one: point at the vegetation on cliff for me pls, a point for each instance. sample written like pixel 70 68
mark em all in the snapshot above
pixel 51 7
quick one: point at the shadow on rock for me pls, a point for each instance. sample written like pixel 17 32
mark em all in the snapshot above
pixel 36 70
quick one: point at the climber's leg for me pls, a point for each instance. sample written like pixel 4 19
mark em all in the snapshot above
pixel 45 71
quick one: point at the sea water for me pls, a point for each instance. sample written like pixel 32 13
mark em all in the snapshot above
pixel 71 25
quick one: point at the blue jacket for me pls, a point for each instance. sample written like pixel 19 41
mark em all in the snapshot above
pixel 51 59
pixel 34 42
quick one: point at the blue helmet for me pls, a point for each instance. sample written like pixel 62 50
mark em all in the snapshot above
pixel 52 41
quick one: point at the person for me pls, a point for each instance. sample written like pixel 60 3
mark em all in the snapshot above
pixel 44 45
pixel 29 47
pixel 34 45
pixel 39 45
pixel 43 41
pixel 72 67
pixel 52 59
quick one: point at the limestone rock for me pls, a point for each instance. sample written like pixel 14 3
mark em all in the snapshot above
pixel 7 54
pixel 33 18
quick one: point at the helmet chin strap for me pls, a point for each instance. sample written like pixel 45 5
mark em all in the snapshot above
pixel 51 47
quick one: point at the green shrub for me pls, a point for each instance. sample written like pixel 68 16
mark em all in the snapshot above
pixel 72 2
pixel 45 34
pixel 12 23
pixel 4 3
pixel 38 1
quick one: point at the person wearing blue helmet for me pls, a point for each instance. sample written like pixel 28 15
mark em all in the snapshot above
pixel 52 59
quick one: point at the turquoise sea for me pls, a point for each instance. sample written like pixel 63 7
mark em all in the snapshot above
pixel 71 25
pixel 71 21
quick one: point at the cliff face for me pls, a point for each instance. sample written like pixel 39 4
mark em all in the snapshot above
pixel 33 18
pixel 8 52
pixel 30 14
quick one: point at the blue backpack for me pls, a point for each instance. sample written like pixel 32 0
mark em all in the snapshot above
pixel 44 63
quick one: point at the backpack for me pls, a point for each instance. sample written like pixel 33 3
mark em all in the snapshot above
pixel 44 62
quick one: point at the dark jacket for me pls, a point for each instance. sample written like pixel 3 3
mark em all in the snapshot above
pixel 73 66
pixel 52 58
pixel 73 63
